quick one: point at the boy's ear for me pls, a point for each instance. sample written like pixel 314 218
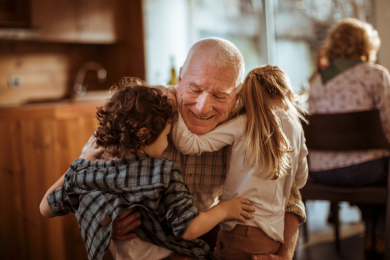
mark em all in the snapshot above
pixel 143 134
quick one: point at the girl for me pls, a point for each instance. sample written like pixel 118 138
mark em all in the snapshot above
pixel 268 154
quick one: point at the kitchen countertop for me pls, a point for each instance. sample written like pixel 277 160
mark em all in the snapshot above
pixel 64 109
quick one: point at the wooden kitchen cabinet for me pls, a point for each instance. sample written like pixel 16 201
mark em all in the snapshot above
pixel 38 144
pixel 75 21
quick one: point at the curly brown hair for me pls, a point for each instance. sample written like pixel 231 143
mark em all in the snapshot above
pixel 352 39
pixel 134 106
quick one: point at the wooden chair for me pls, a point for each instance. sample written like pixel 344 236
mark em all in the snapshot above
pixel 346 132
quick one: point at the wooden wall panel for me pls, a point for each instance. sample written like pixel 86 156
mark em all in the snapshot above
pixel 11 215
pixel 32 154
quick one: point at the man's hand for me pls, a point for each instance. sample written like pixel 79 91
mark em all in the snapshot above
pixel 124 224
pixel 286 250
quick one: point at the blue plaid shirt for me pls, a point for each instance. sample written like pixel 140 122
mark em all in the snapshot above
pixel 99 192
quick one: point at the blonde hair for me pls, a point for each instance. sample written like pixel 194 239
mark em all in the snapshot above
pixel 264 137
pixel 352 39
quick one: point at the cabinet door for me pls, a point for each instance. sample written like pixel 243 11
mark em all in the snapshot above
pixel 76 21
pixel 56 20
pixel 96 21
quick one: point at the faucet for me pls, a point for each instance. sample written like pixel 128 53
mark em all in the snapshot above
pixel 81 89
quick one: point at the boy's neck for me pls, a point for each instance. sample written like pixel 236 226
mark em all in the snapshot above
pixel 127 154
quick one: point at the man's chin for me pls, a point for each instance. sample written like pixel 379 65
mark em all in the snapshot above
pixel 200 130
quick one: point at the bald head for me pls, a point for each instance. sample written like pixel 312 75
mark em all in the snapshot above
pixel 218 53
pixel 209 83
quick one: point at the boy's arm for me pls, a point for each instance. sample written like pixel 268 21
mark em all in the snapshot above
pixel 183 216
pixel 92 153
pixel 44 206
pixel 187 142
pixel 227 209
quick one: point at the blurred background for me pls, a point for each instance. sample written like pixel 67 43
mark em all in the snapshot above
pixel 59 58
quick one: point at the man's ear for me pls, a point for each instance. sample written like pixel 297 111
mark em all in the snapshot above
pixel 143 134
pixel 238 95
pixel 179 78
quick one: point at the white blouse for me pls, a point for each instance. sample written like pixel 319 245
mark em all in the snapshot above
pixel 363 87
pixel 269 197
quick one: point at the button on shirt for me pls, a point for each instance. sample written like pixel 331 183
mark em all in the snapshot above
pixel 99 192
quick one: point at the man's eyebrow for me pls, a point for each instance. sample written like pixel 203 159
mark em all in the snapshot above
pixel 220 91
pixel 226 92
pixel 194 84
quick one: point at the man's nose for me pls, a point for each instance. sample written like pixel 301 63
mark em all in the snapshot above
pixel 204 103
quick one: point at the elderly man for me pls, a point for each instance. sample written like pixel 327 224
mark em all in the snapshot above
pixel 208 87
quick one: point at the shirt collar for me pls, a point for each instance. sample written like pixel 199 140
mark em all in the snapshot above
pixel 336 67
pixel 113 163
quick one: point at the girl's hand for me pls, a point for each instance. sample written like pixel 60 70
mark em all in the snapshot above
pixel 93 152
pixel 237 209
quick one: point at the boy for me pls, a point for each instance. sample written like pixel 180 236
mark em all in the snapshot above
pixel 133 132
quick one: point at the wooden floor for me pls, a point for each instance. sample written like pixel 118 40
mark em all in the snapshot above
pixel 320 245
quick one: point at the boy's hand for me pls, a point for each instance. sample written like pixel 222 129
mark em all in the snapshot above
pixel 237 209
pixel 93 152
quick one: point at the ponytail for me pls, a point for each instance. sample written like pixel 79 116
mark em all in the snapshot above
pixel 265 141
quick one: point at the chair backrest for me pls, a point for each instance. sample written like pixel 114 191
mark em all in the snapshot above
pixel 346 131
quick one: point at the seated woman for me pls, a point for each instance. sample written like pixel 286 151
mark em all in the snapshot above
pixel 352 83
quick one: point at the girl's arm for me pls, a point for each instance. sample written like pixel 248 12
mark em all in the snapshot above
pixel 187 142
pixel 184 217
pixel 227 209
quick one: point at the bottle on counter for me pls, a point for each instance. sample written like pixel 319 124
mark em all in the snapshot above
pixel 173 79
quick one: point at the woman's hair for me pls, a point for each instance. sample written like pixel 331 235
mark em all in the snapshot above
pixel 265 141
pixel 352 39
pixel 134 106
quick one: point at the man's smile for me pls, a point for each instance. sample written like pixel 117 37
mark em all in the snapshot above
pixel 202 118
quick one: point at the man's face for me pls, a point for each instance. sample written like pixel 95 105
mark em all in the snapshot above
pixel 205 95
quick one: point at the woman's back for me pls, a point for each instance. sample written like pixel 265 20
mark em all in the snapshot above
pixel 365 86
